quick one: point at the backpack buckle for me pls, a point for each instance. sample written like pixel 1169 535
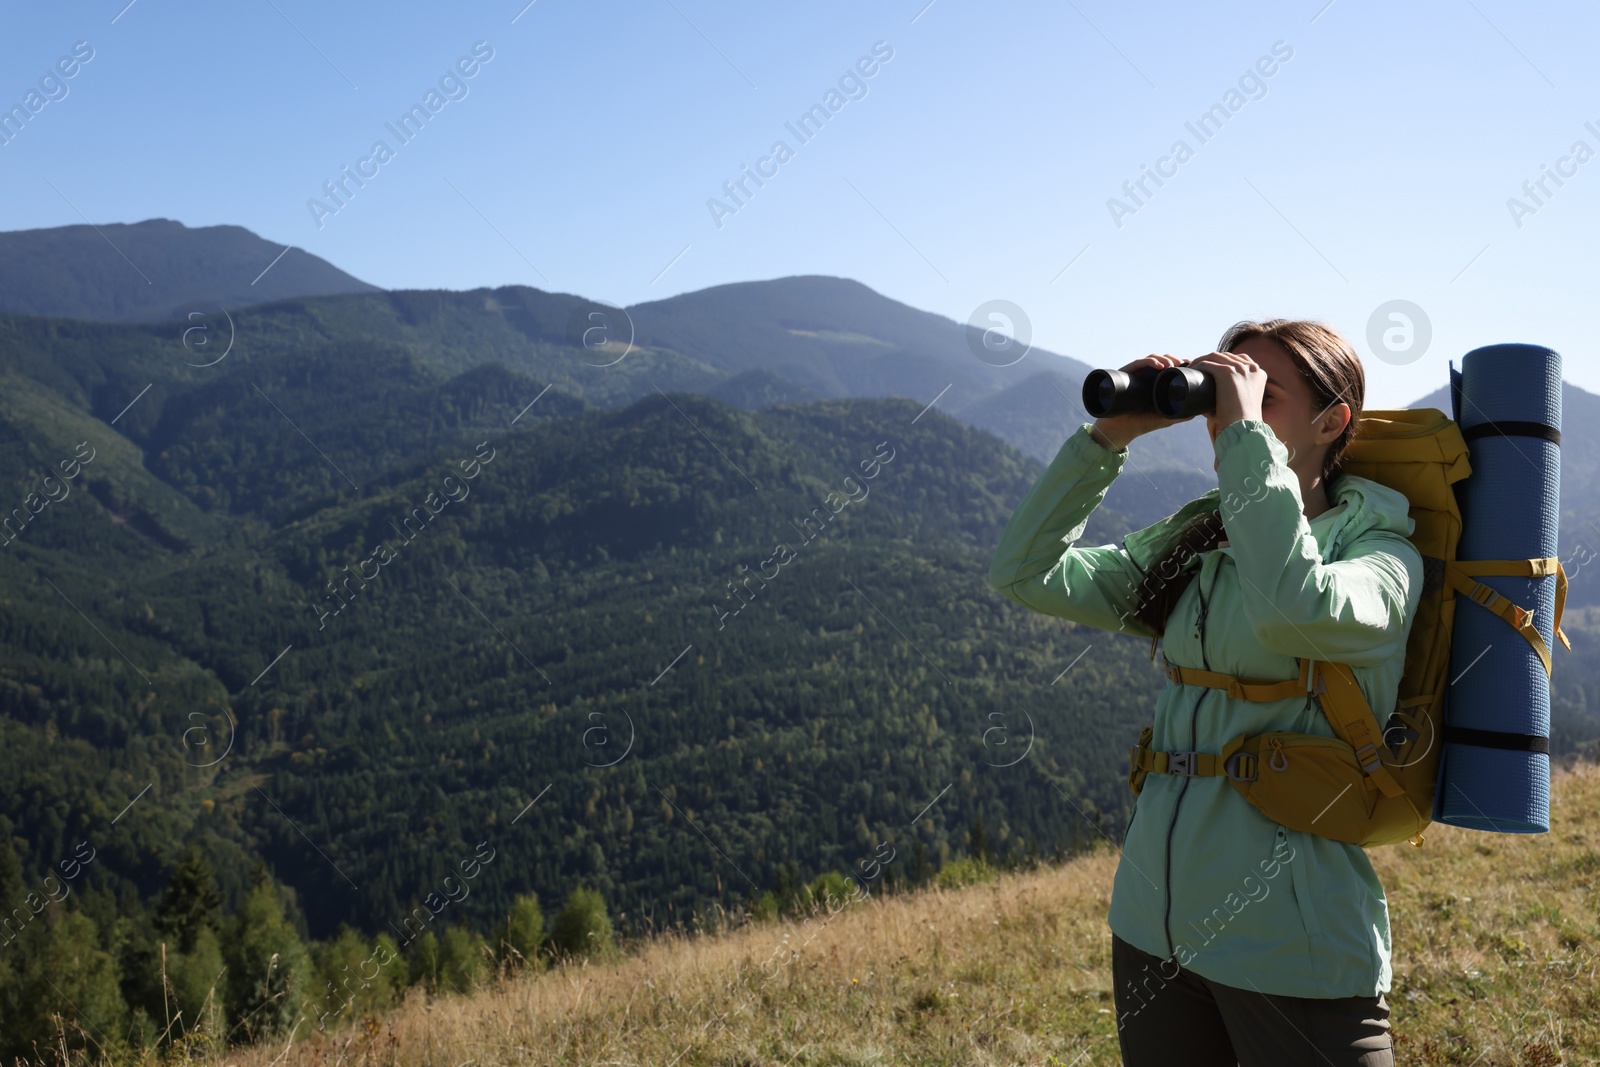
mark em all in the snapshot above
pixel 1181 763
pixel 1236 765
pixel 1369 765
pixel 1316 683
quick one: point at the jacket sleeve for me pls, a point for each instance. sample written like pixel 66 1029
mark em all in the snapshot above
pixel 1354 610
pixel 1035 563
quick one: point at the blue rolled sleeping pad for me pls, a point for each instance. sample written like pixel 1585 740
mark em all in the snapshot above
pixel 1494 770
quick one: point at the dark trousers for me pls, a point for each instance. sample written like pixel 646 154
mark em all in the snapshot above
pixel 1190 1020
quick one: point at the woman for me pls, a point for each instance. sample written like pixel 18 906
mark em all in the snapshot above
pixel 1235 939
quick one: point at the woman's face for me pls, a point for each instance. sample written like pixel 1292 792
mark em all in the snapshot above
pixel 1288 406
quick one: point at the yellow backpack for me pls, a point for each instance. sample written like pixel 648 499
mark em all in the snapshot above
pixel 1300 780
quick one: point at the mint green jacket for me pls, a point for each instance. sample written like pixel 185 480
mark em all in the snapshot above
pixel 1204 877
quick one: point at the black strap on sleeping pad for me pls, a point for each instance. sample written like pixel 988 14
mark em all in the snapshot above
pixel 1512 428
pixel 1465 735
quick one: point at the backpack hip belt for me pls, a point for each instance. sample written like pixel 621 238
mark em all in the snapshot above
pixel 1309 778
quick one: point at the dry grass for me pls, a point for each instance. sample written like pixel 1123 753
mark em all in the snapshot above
pixel 1494 959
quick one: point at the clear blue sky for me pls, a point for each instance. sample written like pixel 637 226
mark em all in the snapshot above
pixel 1374 164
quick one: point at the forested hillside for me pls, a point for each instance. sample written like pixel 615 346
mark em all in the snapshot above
pixel 342 624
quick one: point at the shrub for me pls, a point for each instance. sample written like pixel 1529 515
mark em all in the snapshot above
pixel 964 871
pixel 581 927
pixel 831 890
pixel 524 931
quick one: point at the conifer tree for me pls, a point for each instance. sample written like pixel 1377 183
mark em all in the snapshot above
pixel 191 901
pixel 978 839
pixel 786 887
pixel 921 869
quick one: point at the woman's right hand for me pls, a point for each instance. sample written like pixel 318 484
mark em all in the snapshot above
pixel 1117 430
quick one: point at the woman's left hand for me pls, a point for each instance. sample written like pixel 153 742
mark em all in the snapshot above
pixel 1241 383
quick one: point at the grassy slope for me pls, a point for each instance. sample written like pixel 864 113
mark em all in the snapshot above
pixel 1494 960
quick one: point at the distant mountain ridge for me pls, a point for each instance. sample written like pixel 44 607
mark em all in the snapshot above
pixel 154 270
pixel 753 344
pixel 750 344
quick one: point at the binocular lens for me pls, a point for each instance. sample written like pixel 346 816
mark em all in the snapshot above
pixel 1175 392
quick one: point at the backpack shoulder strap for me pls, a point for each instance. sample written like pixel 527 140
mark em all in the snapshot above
pixel 1347 711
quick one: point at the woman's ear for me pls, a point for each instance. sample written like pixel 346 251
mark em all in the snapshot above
pixel 1334 418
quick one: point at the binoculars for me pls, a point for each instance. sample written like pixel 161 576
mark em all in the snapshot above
pixel 1175 392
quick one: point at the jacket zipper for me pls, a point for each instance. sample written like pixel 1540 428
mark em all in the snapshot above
pixel 1194 722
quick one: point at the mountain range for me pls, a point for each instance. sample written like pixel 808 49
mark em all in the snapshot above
pixel 750 345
